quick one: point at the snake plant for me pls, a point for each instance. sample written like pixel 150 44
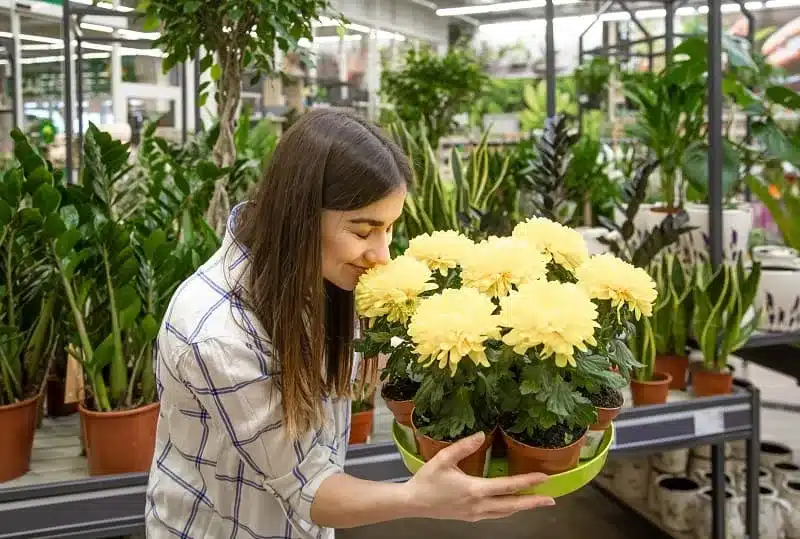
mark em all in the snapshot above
pixel 672 312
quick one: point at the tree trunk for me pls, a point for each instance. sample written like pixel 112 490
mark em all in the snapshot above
pixel 230 93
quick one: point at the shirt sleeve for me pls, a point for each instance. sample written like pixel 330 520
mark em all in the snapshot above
pixel 233 382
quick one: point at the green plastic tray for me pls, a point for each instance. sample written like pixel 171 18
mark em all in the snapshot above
pixel 558 485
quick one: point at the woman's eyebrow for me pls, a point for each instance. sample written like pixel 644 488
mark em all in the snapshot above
pixel 366 220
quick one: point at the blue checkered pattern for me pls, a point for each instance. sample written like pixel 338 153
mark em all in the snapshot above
pixel 223 465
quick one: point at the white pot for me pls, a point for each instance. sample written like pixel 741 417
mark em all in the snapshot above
pixel 778 295
pixel 677 499
pixel 703 519
pixel 704 451
pixel 737 449
pixel 673 462
pixel 693 247
pixel 592 235
pixel 737 468
pixel 653 494
pixel 791 493
pixel 773 514
pixel 784 472
pixel 775 452
pixel 631 478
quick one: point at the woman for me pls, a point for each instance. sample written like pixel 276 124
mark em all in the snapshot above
pixel 254 359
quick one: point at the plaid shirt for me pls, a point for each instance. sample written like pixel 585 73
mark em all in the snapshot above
pixel 223 465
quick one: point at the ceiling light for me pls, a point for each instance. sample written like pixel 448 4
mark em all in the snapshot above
pixel 498 8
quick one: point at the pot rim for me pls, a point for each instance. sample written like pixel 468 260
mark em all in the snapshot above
pixel 418 433
pixel 666 380
pixel 21 404
pixel 116 413
pixel 577 441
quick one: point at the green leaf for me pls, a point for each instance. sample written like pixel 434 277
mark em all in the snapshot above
pixel 47 199
pixel 5 213
pixel 775 142
pixel 151 23
pixel 67 241
pixel 216 72
pixel 31 216
pixel 104 353
pixel 53 226
pixel 783 96
pixel 149 328
pixel 695 167
pixel 156 239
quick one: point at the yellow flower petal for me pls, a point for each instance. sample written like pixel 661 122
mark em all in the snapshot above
pixel 606 277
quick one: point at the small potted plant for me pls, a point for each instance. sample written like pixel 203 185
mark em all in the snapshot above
pixel 672 318
pixel 622 293
pixel 648 386
pixel 386 296
pixel 451 331
pixel 362 407
pixel 722 299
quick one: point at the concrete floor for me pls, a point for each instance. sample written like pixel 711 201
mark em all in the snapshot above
pixel 586 513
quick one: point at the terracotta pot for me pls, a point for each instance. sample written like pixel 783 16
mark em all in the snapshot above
pixel 55 399
pixel 120 442
pixel 651 392
pixel 17 427
pixel 361 426
pixel 709 383
pixel 402 411
pixel 475 464
pixel 523 458
pixel 604 417
pixel 677 367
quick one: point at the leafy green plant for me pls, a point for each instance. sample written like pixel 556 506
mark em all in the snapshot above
pixel 722 297
pixel 548 171
pixel 672 313
pixel 433 89
pixel 28 300
pixel 438 204
pixel 782 198
pixel 592 80
pixel 643 249
pixel 241 35
pixel 642 343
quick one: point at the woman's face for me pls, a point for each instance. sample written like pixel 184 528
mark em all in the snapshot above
pixel 354 241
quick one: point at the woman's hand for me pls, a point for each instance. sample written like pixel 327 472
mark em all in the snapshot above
pixel 441 490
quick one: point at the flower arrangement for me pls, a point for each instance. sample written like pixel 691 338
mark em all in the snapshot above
pixel 521 336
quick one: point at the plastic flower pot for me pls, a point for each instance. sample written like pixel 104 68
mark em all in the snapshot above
pixel 677 367
pixel 523 458
pixel 477 464
pixel 120 441
pixel 650 392
pixel 707 383
pixel 594 436
pixel 17 427
pixel 361 426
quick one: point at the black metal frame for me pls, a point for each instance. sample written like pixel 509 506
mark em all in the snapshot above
pixel 114 505
pixel 16 100
pixel 67 31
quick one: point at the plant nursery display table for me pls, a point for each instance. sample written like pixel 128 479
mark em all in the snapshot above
pixel 112 506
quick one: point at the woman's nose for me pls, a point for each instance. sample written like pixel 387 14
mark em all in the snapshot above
pixel 378 255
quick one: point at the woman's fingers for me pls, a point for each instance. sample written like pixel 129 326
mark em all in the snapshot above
pixel 452 455
pixel 515 504
pixel 513 484
pixel 779 38
pixel 784 58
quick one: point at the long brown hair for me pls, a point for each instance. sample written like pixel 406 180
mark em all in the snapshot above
pixel 328 160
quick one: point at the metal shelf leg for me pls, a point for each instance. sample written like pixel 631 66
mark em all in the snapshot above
pixel 753 461
pixel 718 493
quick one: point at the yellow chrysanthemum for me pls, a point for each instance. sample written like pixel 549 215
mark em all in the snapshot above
pixel 607 277
pixel 560 243
pixel 558 316
pixel 450 326
pixel 441 251
pixel 393 289
pixel 496 264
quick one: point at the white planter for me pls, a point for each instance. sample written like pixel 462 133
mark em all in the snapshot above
pixel 631 478
pixel 677 499
pixel 784 472
pixel 703 518
pixel 791 493
pixel 674 462
pixel 738 469
pixel 654 493
pixel 693 247
pixel 778 295
pixel 775 452
pixel 592 235
pixel 773 514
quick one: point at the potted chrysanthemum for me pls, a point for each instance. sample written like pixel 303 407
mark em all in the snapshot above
pixel 443 252
pixel 546 417
pixel 450 332
pixel 623 293
pixel 386 296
